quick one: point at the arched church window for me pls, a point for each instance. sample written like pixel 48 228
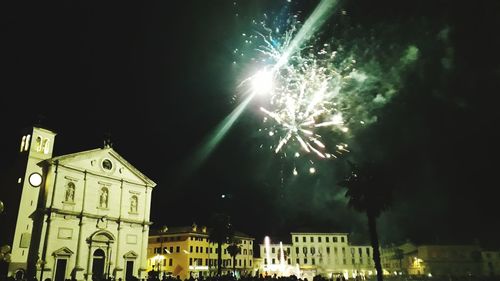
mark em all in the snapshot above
pixel 23 140
pixel 45 146
pixel 70 192
pixel 27 143
pixel 38 144
pixel 133 204
pixel 103 198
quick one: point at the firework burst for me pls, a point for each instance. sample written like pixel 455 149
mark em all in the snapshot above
pixel 301 94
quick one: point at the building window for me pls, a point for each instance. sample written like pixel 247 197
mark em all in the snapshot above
pixel 304 250
pixel 171 249
pixel 319 239
pixel 27 143
pixel 304 239
pixel 23 141
pixel 342 239
pixel 368 251
pixel 312 239
pixel 38 143
pixel 190 261
pixel 190 249
pixel 244 251
pixel 196 249
pixel 360 251
pixel 297 250
pixel 70 192
pixel 327 239
pixel 45 146
pixel 297 261
pixel 273 261
pixel 177 249
pixel 272 250
pixel 327 250
pixel 335 239
pixel 313 250
pixel 296 239
pixel 305 261
pixel 170 262
pixel 313 261
pixel 250 263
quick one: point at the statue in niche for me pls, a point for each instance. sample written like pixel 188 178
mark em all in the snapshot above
pixel 103 198
pixel 133 204
pixel 70 192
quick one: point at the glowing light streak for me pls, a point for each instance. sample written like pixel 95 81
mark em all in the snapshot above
pixel 302 143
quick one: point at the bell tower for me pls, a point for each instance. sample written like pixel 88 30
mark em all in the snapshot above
pixel 36 145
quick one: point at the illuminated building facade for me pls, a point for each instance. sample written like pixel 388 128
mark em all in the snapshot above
pixel 491 263
pixel 187 251
pixel 327 254
pixel 433 260
pixel 83 215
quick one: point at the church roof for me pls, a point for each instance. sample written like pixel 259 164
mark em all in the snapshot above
pixel 85 154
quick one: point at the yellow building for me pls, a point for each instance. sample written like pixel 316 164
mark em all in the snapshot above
pixel 187 251
pixel 434 260
pixel 491 263
pixel 397 260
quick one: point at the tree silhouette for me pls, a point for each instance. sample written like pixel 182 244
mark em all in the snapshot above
pixel 221 233
pixel 369 191
pixel 234 249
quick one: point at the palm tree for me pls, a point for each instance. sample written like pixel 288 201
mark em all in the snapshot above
pixel 234 249
pixel 369 191
pixel 222 232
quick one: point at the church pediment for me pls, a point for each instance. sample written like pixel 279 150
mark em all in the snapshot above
pixel 103 161
pixel 64 251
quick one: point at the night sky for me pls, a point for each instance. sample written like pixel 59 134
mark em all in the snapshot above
pixel 159 77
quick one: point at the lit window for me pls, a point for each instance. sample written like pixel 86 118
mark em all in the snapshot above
pixel 23 140
pixel 38 144
pixel 45 146
pixel 27 143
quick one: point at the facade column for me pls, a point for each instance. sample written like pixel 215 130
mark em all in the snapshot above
pixel 78 271
pixel 48 208
pixel 118 261
pixel 88 275
pixel 145 235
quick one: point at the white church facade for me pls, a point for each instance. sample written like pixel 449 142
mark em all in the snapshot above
pixel 82 216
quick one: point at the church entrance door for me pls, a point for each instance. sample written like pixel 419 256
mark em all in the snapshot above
pixel 61 269
pixel 98 265
pixel 130 270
